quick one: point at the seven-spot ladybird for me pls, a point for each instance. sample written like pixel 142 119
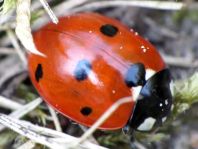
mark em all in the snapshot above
pixel 91 62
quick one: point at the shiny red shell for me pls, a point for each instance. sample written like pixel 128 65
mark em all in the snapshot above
pixel 77 37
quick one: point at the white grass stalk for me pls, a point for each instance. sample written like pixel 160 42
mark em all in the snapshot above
pixel 23 110
pixel 9 104
pixel 91 138
pixel 26 108
pixel 55 119
pixel 49 11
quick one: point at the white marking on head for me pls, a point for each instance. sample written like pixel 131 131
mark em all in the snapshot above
pixel 149 73
pixel 172 85
pixel 113 91
pixel 136 33
pixel 136 92
pixel 147 124
pixel 166 102
pixel 164 119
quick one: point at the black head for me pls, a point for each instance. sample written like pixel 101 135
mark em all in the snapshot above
pixel 153 104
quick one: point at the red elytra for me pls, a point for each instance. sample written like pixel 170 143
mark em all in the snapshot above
pixel 106 49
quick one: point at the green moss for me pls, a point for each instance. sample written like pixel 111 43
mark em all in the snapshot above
pixel 25 92
pixel 113 139
pixel 186 91
pixel 7 137
pixel 179 16
pixel 35 15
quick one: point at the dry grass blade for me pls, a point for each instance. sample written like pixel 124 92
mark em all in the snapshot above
pixel 23 130
pixel 23 29
pixel 162 5
pixel 72 6
pixel 23 110
pixel 55 119
pixel 35 134
pixel 9 104
pixel 91 138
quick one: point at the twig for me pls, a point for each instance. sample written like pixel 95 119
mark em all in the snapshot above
pixel 16 46
pixel 162 5
pixel 49 11
pixel 23 29
pixel 9 104
pixel 102 119
pixel 55 119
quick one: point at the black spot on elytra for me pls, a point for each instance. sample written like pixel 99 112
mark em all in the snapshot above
pixel 39 72
pixel 82 70
pixel 86 111
pixel 109 30
pixel 135 75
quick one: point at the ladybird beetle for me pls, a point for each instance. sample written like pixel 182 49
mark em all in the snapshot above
pixel 91 62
